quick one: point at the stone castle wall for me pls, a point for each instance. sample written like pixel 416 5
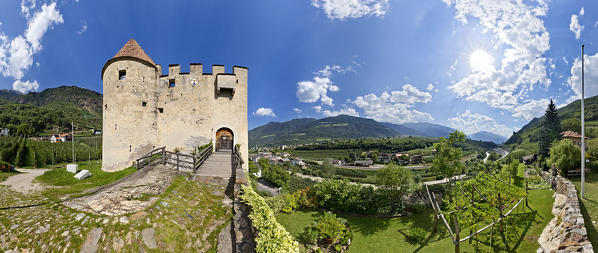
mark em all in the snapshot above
pixel 146 111
pixel 566 231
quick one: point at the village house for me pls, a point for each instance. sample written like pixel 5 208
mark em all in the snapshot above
pixel 363 163
pixel 528 159
pixel 61 138
pixel 416 159
pixel 574 137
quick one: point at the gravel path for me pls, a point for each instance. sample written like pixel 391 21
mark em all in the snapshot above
pixel 23 182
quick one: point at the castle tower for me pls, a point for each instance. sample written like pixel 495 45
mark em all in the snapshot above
pixel 144 109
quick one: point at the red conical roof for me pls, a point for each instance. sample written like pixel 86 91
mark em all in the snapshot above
pixel 132 49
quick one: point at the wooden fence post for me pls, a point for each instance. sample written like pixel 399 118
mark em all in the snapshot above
pixel 471 227
pixel 177 162
pixel 456 242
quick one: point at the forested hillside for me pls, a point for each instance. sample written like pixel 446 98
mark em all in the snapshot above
pixel 51 110
pixel 569 115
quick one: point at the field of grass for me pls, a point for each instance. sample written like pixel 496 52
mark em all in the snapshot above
pixel 321 155
pixel 589 205
pixel 68 184
pixel 389 235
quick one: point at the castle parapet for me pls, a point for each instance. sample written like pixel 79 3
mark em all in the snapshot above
pixel 173 70
pixel 226 82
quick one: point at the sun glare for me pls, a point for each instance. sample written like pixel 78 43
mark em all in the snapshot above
pixel 480 60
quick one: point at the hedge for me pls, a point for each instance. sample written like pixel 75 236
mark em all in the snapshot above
pixel 272 237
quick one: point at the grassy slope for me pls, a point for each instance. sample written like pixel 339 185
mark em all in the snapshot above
pixel 388 235
pixel 70 185
pixel 589 205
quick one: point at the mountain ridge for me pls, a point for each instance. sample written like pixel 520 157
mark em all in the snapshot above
pixel 309 130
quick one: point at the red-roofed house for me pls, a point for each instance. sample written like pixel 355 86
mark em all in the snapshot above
pixel 573 136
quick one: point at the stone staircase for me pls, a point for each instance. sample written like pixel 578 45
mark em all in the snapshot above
pixel 216 170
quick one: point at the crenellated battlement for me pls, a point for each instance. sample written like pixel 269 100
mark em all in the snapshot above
pixel 196 76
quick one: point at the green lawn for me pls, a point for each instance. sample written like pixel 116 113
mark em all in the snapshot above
pixel 68 184
pixel 389 235
pixel 321 155
pixel 589 205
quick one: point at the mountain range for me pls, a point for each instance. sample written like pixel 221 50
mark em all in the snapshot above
pixel 81 97
pixel 308 130
pixel 487 136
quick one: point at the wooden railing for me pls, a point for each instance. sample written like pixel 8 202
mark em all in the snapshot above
pixel 202 156
pixel 188 163
pixel 156 155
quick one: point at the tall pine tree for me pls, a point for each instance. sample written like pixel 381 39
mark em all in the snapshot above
pixel 550 131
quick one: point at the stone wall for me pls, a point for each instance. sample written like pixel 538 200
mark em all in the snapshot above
pixel 566 231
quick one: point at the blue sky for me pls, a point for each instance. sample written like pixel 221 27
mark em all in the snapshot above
pixel 472 65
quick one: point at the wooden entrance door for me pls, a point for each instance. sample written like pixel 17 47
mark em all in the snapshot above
pixel 224 139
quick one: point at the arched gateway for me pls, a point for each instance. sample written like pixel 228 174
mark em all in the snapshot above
pixel 224 139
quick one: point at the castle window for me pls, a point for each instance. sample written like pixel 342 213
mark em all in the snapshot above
pixel 171 83
pixel 161 110
pixel 106 107
pixel 122 75
pixel 115 128
pixel 143 103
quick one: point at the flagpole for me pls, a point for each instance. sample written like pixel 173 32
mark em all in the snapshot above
pixel 583 136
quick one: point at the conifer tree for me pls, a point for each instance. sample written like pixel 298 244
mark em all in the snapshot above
pixel 550 130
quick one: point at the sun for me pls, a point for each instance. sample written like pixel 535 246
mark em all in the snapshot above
pixel 480 60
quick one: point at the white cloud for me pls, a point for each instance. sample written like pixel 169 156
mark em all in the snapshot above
pixel 342 9
pixel 25 86
pixel 26 6
pixel 317 89
pixel 20 58
pixel 297 110
pixel 471 123
pixel 591 77
pixel 263 112
pixel 575 27
pixel 581 12
pixel 396 106
pixel 452 68
pixel 532 109
pixel 520 33
pixel 565 60
pixel 596 24
pixel 39 24
pixel 430 87
pixel 16 55
pixel 346 111
pixel 83 28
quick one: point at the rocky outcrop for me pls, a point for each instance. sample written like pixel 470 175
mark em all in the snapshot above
pixel 566 232
pixel 127 195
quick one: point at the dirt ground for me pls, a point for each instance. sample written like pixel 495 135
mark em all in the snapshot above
pixel 23 182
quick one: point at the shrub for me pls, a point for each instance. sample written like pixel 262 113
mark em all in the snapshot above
pixel 309 236
pixel 4 166
pixel 352 198
pixel 276 175
pixel 416 208
pixel 330 227
pixel 272 237
pixel 416 235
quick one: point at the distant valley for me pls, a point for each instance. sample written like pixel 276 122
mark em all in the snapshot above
pixel 309 130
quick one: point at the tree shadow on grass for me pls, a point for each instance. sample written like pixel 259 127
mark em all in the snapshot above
pixel 592 233
pixel 367 225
